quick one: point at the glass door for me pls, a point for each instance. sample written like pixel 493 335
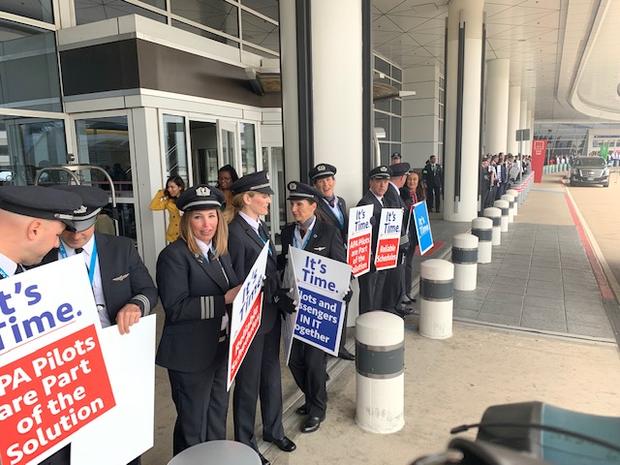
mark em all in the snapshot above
pixel 227 143
pixel 204 147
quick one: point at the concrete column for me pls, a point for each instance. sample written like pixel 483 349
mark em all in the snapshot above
pixel 497 90
pixel 336 105
pixel 461 163
pixel 523 124
pixel 514 107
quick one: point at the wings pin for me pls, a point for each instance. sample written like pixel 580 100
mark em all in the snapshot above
pixel 318 249
pixel 121 277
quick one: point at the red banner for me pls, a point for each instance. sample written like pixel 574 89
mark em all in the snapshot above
pixel 539 150
pixel 50 394
pixel 387 253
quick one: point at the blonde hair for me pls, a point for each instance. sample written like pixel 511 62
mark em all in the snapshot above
pixel 220 239
pixel 237 200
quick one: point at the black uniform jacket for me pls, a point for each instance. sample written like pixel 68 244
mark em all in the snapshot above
pixel 326 215
pixel 392 199
pixel 413 236
pixel 244 247
pixel 325 241
pixel 192 291
pixel 124 278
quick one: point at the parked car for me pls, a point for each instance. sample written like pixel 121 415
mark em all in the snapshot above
pixel 589 170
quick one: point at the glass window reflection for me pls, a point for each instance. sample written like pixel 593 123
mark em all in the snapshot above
pixel 216 14
pixel 248 148
pixel 260 31
pixel 175 147
pixel 28 68
pixel 35 9
pixel 265 7
pixel 89 11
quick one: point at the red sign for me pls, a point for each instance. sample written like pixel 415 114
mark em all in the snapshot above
pixel 387 253
pixel 241 342
pixel 50 394
pixel 358 254
pixel 539 150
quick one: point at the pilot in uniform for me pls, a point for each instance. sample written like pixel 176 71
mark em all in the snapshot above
pixel 372 283
pixel 259 374
pixel 122 287
pixel 196 282
pixel 307 363
pixel 332 210
pixel 394 291
pixel 31 219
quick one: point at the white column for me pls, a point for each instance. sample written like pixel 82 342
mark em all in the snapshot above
pixel 497 89
pixel 514 107
pixel 337 103
pixel 463 205
pixel 523 124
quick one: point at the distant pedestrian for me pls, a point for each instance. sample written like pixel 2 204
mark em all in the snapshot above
pixel 432 175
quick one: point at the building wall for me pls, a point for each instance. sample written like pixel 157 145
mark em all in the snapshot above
pixel 422 118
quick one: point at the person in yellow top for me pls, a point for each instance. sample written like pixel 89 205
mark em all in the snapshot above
pixel 226 175
pixel 167 200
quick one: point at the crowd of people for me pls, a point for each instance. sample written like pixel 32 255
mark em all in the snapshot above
pixel 498 173
pixel 215 235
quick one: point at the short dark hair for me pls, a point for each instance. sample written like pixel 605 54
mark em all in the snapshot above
pixel 230 170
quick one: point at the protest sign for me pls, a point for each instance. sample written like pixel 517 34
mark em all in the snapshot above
pixel 130 424
pixel 423 227
pixel 288 325
pixel 53 378
pixel 386 255
pixel 322 283
pixel 246 315
pixel 359 239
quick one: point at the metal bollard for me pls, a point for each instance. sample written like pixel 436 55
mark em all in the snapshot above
pixel 436 293
pixel 465 259
pixel 511 206
pixel 515 194
pixel 495 214
pixel 216 453
pixel 483 229
pixel 380 363
pixel 503 206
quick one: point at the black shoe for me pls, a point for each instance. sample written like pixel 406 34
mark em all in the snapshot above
pixel 284 444
pixel 346 355
pixel 311 425
pixel 263 460
pixel 303 410
pixel 403 312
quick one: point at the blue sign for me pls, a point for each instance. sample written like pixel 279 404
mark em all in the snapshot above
pixel 423 227
pixel 319 320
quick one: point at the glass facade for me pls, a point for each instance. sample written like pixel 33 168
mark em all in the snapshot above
pixel 175 147
pixel 89 11
pixel 388 111
pixel 215 14
pixel 251 23
pixel 28 68
pixel 248 148
pixel 105 142
pixel 29 144
pixel 40 10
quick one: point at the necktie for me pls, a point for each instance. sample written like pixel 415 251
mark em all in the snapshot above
pixel 332 202
pixel 302 232
pixel 213 259
pixel 79 250
pixel 262 233
pixel 20 269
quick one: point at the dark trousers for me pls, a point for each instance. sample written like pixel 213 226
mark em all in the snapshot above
pixel 393 290
pixel 201 402
pixel 409 270
pixel 371 291
pixel 259 375
pixel 60 457
pixel 433 197
pixel 309 368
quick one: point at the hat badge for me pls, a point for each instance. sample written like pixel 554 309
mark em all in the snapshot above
pixel 80 210
pixel 267 176
pixel 320 168
pixel 203 191
pixel 383 169
pixel 292 186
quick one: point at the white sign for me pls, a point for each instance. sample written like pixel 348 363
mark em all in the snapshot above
pixel 246 315
pixel 386 255
pixel 359 239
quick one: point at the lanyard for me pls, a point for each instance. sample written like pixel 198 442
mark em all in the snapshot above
pixel 305 240
pixel 3 274
pixel 93 261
